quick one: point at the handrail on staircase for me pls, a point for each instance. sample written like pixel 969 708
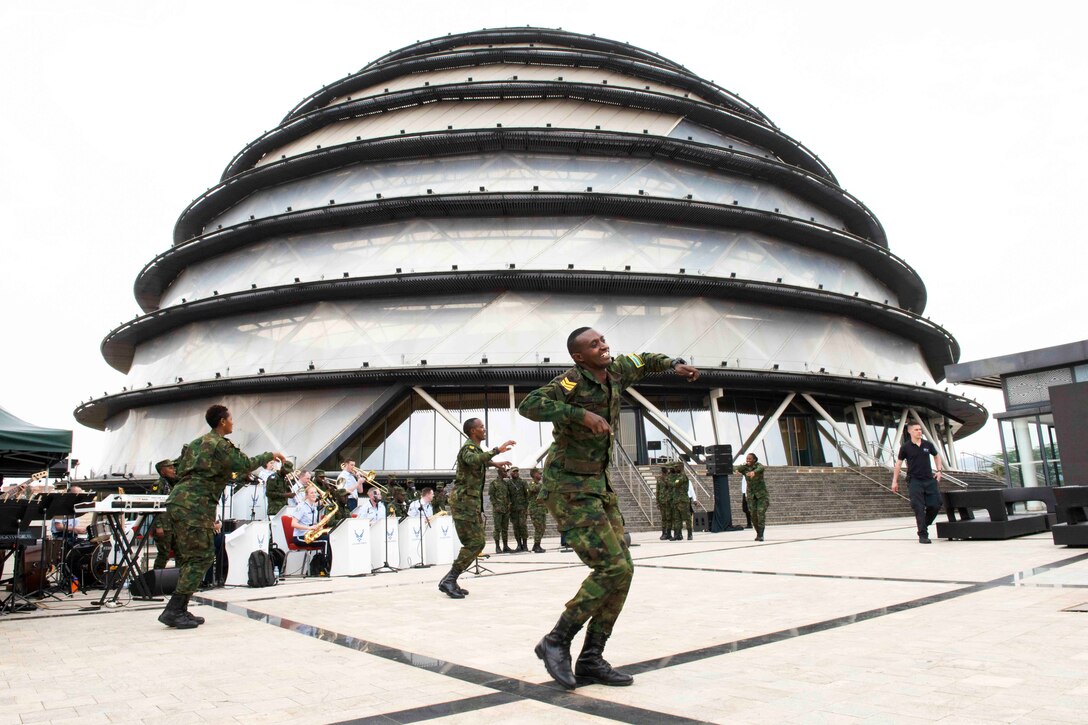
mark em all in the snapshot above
pixel 627 472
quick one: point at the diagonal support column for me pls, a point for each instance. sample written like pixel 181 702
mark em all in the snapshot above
pixel 862 455
pixel 438 408
pixel 763 428
pixel 663 419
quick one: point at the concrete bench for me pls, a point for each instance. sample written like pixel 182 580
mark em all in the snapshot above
pixel 1072 505
pixel 1002 522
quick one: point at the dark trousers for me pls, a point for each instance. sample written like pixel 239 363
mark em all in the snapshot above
pixel 321 544
pixel 746 510
pixel 925 499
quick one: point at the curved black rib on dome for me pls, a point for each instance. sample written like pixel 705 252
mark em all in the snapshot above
pixel 885 266
pixel 788 149
pixel 938 346
pixel 858 218
pixel 551 36
pixel 552 57
pixel 95 413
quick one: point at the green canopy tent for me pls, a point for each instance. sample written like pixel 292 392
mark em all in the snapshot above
pixel 26 449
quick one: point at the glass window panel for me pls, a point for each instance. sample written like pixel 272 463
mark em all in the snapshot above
pixel 421 446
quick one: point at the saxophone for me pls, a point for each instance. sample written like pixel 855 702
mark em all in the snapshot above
pixel 329 504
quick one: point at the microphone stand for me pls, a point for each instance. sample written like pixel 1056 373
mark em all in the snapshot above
pixel 385 567
pixel 421 564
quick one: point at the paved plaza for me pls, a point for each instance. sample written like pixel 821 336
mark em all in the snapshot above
pixel 840 622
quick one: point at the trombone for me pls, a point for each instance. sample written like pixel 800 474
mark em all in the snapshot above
pixel 370 478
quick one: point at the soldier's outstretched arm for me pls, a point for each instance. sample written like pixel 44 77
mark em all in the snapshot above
pixel 549 404
pixel 231 456
pixel 635 366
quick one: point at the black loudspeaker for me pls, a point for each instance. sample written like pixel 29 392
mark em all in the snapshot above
pixel 722 519
pixel 159 582
pixel 700 521
pixel 719 460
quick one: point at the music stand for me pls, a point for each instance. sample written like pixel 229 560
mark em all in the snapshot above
pixel 385 567
pixel 477 568
pixel 13 520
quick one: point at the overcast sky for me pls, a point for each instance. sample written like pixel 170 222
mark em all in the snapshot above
pixel 961 125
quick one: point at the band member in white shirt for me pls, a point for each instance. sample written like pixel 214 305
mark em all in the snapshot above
pixel 348 482
pixel 423 503
pixel 372 507
pixel 307 515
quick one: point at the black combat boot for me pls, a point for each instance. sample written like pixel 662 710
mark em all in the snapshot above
pixel 498 547
pixel 759 533
pixel 554 649
pixel 190 615
pixel 591 667
pixel 537 548
pixel 523 545
pixel 506 545
pixel 448 585
pixel 174 613
pixel 678 535
pixel 689 536
pixel 665 536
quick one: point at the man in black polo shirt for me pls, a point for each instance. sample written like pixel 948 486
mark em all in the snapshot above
pixel 925 498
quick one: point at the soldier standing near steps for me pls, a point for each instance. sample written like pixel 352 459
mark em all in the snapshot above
pixel 583 405
pixel 758 500
pixel 519 509
pixel 538 512
pixel 498 492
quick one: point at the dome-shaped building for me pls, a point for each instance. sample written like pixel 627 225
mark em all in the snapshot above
pixel 411 245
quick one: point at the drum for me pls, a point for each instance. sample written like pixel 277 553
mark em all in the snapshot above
pixel 88 561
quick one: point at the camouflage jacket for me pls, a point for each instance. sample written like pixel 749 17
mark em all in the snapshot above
pixel 205 467
pixel 536 504
pixel 498 492
pixel 679 491
pixel 277 490
pixel 578 459
pixel 519 494
pixel 756 486
pixel 467 497
pixel 162 486
pixel 441 500
pixel 661 488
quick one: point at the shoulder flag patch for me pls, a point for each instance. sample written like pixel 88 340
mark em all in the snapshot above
pixel 568 385
pixel 635 359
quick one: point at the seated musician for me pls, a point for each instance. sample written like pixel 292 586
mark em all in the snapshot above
pixel 422 505
pixel 68 527
pixel 372 508
pixel 306 517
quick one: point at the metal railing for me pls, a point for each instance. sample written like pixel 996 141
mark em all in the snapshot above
pixel 627 473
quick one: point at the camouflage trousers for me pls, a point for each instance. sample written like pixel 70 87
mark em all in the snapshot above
pixel 500 525
pixel 194 549
pixel 681 514
pixel 539 517
pixel 666 515
pixel 470 529
pixel 164 543
pixel 520 520
pixel 757 509
pixel 594 529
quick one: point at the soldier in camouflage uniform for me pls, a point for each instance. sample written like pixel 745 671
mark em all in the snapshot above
pixel 441 500
pixel 583 405
pixel 519 509
pixel 277 489
pixel 467 502
pixel 164 539
pixel 498 492
pixel 538 512
pixel 661 488
pixel 397 505
pixel 204 468
pixel 681 502
pixel 758 500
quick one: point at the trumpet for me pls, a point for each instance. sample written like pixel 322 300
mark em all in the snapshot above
pixel 370 478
